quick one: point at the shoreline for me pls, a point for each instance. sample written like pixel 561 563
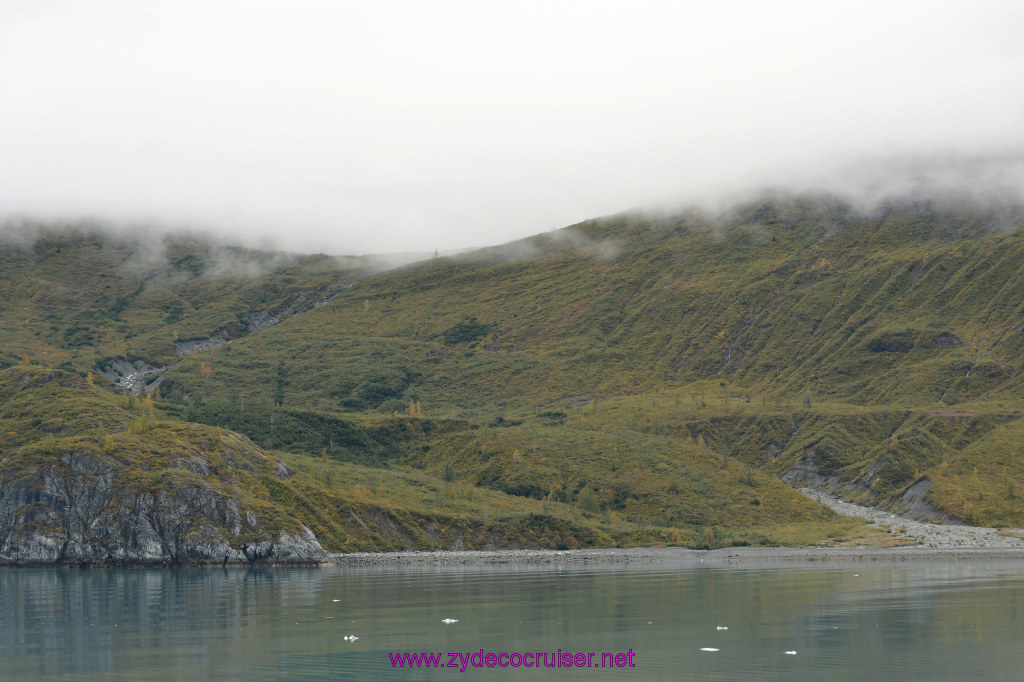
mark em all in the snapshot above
pixel 678 555
pixel 935 542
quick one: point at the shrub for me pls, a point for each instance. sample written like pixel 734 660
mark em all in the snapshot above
pixel 464 332
pixel 587 501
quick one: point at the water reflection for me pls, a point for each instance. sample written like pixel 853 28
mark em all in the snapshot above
pixel 926 620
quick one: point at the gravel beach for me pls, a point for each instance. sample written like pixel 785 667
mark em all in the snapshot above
pixel 680 556
pixel 928 534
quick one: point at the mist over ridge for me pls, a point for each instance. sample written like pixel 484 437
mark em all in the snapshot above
pixel 993 186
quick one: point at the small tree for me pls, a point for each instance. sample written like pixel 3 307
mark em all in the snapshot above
pixel 587 500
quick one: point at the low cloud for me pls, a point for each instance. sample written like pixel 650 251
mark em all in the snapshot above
pixel 404 126
pixel 570 240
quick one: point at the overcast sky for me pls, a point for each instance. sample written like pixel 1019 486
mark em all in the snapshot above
pixel 399 125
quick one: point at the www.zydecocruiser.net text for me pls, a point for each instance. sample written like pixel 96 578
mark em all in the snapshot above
pixel 462 660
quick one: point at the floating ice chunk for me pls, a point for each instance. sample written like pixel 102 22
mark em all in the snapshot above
pixel 791 653
pixel 708 648
pixel 722 627
pixel 449 621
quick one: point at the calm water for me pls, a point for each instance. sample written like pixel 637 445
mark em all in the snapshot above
pixel 916 621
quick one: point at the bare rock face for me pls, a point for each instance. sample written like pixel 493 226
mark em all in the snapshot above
pixel 805 474
pixel 86 508
pixel 134 377
pixel 184 347
pixel 298 547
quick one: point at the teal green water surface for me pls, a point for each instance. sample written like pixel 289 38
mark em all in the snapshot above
pixel 903 621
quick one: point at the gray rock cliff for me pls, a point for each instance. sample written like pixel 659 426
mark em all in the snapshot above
pixel 86 506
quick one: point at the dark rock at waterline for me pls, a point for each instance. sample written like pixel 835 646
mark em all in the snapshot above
pixel 84 508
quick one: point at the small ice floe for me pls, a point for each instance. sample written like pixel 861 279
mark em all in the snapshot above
pixel 791 653
pixel 722 627
pixel 449 621
pixel 708 648
pixel 351 638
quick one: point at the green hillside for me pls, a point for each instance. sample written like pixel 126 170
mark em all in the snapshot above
pixel 869 311
pixel 75 297
pixel 641 378
pixel 88 476
pixel 880 349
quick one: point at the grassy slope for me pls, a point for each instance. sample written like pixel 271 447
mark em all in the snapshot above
pixel 889 343
pixel 776 309
pixel 52 420
pixel 72 298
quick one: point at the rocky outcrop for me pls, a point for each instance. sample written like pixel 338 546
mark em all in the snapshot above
pixel 805 474
pixel 184 347
pixel 261 319
pixel 948 340
pixel 85 507
pixel 324 300
pixel 115 485
pixel 256 321
pixel 133 376
pixel 910 503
